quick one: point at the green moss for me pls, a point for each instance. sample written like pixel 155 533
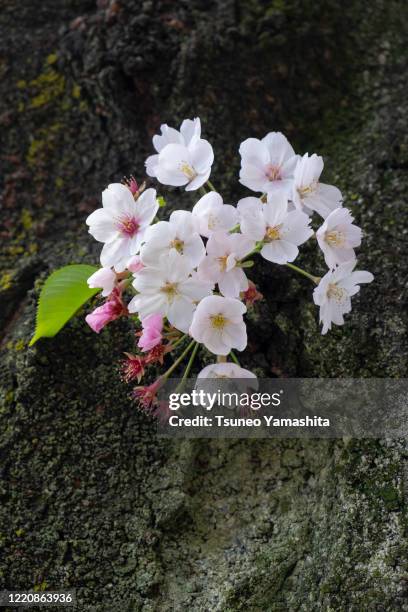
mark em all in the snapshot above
pixel 49 85
pixel 76 91
pixel 6 280
pixel 26 219
pixel 51 58
pixel 43 144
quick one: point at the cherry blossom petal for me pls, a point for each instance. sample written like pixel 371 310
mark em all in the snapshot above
pixel 180 313
pixel 279 251
pixel 279 148
pixel 102 226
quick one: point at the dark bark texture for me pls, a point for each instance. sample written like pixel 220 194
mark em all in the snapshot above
pixel 90 498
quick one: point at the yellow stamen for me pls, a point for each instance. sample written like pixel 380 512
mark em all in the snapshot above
pixel 336 293
pixel 273 233
pixel 212 222
pixel 170 289
pixel 218 321
pixel 335 238
pixel 178 245
pixel 188 171
pixel 308 190
pixel 273 173
pixel 222 262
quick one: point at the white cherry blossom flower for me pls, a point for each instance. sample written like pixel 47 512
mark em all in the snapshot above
pixel 221 265
pixel 229 377
pixel 282 231
pixel 267 164
pixel 338 237
pixel 169 288
pixel 189 129
pixel 334 291
pixel 121 223
pixel 308 192
pixel 225 370
pixel 104 278
pixel 178 234
pixel 180 165
pixel 211 215
pixel 218 324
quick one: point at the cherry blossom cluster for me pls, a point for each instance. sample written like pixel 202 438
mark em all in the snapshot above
pixel 184 280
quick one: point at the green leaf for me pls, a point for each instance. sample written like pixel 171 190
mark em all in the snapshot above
pixel 161 201
pixel 63 293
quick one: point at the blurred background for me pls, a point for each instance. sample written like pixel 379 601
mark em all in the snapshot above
pixel 90 498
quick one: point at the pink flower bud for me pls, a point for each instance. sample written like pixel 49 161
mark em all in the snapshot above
pixel 151 334
pixel 112 309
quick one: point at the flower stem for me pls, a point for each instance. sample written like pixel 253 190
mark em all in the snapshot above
pixel 234 358
pixel 178 360
pixel 258 247
pixel 178 341
pixel 315 279
pixel 188 368
pixel 190 362
pixel 211 186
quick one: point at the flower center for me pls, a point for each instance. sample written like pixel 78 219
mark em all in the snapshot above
pixel 336 293
pixel 218 321
pixel 273 233
pixel 273 173
pixel 335 238
pixel 212 222
pixel 178 245
pixel 307 190
pixel 170 290
pixel 128 226
pixel 188 171
pixel 222 261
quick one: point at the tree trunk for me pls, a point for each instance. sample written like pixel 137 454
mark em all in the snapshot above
pixel 90 498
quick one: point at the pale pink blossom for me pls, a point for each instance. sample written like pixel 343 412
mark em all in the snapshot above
pixel 218 324
pixel 338 237
pixel 280 229
pixel 308 193
pixel 222 263
pixel 183 157
pixel 177 235
pixel 121 223
pixel 171 288
pixel 267 164
pixel 179 165
pixel 211 214
pixel 334 291
pixel 189 129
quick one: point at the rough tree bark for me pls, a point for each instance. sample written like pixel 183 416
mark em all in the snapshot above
pixel 90 498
